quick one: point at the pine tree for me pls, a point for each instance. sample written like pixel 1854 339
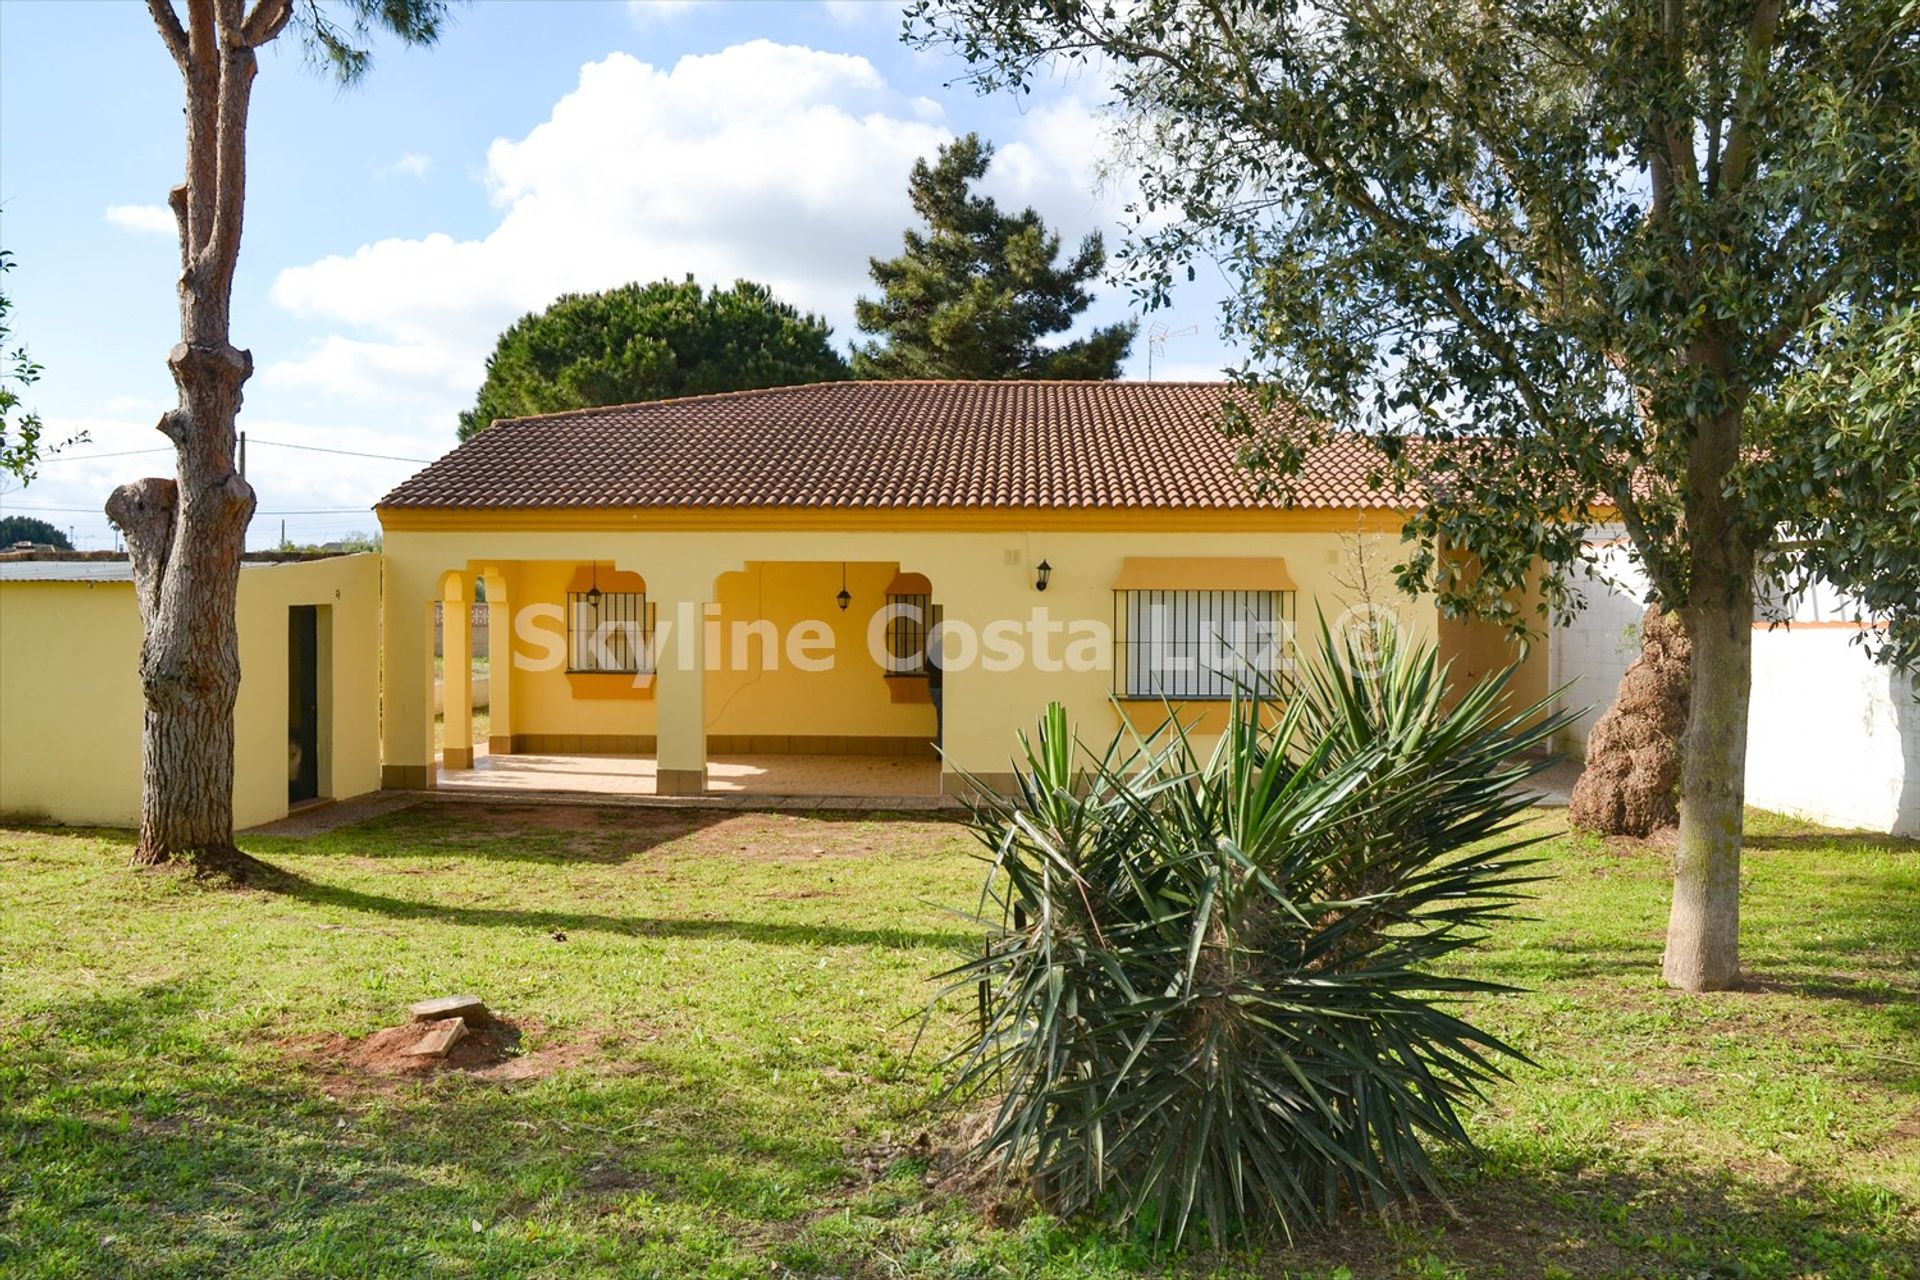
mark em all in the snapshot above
pixel 976 291
pixel 647 342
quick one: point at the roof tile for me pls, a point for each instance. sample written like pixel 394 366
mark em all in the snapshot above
pixel 1061 445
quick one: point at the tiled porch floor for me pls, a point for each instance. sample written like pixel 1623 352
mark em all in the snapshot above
pixel 750 775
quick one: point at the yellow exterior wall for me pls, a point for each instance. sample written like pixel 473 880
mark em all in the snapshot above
pixel 549 702
pixel 1478 649
pixel 768 695
pixel 347 590
pixel 980 566
pixel 71 710
pixel 70 707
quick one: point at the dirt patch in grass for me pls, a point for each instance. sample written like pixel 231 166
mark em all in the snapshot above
pixel 495 1050
pixel 948 1162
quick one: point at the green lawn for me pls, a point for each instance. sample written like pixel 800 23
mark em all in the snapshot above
pixel 720 1012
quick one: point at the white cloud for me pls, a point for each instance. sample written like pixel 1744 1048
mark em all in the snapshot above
pixel 771 162
pixel 410 165
pixel 151 218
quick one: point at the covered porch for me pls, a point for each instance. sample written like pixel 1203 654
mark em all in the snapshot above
pixel 775 678
pixel 767 774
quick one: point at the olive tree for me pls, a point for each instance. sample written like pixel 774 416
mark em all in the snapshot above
pixel 1567 264
pixel 186 533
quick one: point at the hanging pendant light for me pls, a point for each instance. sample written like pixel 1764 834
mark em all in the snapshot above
pixel 844 598
pixel 593 592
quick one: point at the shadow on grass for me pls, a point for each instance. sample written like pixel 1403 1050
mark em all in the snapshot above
pixel 553 835
pixel 761 932
pixel 1521 1219
pixel 547 834
pixel 1816 841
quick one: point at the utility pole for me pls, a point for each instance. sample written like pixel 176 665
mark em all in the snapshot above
pixel 243 455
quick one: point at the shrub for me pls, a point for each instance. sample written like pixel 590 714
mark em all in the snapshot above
pixel 1210 994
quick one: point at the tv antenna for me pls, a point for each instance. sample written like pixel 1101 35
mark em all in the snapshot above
pixel 1157 337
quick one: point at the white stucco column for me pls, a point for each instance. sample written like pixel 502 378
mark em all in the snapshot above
pixel 680 697
pixel 456 649
pixel 499 666
pixel 406 720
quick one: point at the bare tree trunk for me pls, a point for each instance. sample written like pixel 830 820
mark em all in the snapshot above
pixel 1703 931
pixel 186 536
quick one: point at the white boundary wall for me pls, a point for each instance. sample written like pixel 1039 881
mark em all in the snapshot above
pixel 1596 650
pixel 1834 736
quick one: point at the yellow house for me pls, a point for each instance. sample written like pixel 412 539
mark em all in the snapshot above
pixel 898 572
pixel 306 724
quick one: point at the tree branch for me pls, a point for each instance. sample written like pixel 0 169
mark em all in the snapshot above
pixel 268 19
pixel 171 32
pixel 1738 158
pixel 146 512
pixel 201 73
pixel 1797 318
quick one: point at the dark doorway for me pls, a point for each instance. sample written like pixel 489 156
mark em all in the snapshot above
pixel 303 703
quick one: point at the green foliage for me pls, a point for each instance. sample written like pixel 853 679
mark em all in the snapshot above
pixel 353 543
pixel 27 529
pixel 650 342
pixel 1836 457
pixel 335 34
pixel 19 430
pixel 975 293
pixel 1563 262
pixel 1215 989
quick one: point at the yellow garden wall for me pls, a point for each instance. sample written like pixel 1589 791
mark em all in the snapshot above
pixel 71 710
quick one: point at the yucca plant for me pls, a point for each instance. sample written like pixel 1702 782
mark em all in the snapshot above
pixel 1210 995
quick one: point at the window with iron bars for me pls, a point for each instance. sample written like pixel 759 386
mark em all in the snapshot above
pixel 908 623
pixel 613 633
pixel 1202 644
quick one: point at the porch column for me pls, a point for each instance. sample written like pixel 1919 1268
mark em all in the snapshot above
pixel 680 697
pixel 456 648
pixel 406 722
pixel 499 666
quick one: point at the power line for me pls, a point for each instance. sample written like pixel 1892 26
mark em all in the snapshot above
pixel 316 511
pixel 88 457
pixel 277 444
pixel 345 453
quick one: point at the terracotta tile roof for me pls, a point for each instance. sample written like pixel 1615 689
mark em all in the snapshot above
pixel 1059 445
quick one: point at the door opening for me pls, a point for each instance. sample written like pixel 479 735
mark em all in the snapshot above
pixel 303 704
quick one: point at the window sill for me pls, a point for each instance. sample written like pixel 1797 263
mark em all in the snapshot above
pixel 611 685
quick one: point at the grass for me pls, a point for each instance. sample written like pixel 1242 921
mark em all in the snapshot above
pixel 734 998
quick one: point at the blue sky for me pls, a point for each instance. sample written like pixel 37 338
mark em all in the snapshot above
pixel 394 228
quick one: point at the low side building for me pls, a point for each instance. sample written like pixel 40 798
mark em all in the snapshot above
pixel 307 719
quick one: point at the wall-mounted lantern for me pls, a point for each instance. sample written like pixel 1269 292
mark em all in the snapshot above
pixel 1042 572
pixel 844 598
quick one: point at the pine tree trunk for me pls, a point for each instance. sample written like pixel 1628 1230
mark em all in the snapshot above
pixel 1703 931
pixel 186 536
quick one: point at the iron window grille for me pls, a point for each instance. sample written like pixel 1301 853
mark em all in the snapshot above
pixel 908 624
pixel 611 634
pixel 1202 644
